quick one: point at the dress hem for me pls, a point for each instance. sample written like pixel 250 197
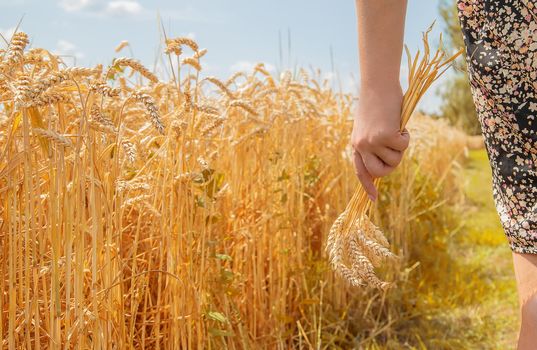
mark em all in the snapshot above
pixel 523 250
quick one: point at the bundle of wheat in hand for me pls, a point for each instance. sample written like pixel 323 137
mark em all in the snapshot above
pixel 353 236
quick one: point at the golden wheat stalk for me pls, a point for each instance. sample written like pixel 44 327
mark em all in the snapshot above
pixel 353 233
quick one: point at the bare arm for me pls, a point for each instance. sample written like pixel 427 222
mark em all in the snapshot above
pixel 377 142
pixel 381 26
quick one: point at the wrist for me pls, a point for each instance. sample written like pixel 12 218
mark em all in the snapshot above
pixel 378 78
pixel 380 89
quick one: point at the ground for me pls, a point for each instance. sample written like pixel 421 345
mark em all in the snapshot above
pixel 465 296
pixel 483 248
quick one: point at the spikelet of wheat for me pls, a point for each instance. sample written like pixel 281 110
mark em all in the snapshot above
pixel 353 232
pixel 123 44
pixel 151 108
pixel 221 85
pixel 136 66
pixel 192 61
pixel 199 54
pixel 130 150
pixel 98 121
pixel 244 105
pixel 105 90
pixel 51 97
pixel 53 136
pixel 23 91
pixel 15 51
pixel 207 109
pixel 173 45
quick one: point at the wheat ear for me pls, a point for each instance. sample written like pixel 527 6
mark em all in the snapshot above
pixel 371 242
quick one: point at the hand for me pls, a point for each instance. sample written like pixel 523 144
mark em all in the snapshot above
pixel 377 142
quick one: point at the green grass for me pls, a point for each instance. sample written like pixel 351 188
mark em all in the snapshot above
pixel 467 298
pixel 463 292
pixel 483 226
pixel 483 247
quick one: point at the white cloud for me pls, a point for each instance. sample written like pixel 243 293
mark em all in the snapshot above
pixel 103 8
pixel 248 66
pixel 122 7
pixel 74 5
pixel 66 48
pixel 12 3
pixel 189 14
pixel 132 8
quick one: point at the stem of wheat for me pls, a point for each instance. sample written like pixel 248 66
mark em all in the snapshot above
pixel 423 71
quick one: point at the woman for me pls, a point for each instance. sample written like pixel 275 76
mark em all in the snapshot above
pixel 500 38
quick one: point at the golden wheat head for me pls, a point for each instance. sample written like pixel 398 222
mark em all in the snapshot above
pixel 353 236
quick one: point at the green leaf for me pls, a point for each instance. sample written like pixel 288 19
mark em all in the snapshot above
pixel 200 201
pixel 283 176
pixel 219 332
pixel 217 316
pixel 223 257
pixel 207 173
pixel 212 218
pixel 226 276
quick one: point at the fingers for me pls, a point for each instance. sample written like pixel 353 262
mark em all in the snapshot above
pixel 377 156
pixel 400 141
pixel 375 166
pixel 389 156
pixel 363 175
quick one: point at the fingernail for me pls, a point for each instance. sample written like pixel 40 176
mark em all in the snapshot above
pixel 371 197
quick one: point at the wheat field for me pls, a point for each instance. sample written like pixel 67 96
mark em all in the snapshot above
pixel 188 212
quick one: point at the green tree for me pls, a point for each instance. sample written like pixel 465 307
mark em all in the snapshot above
pixel 457 102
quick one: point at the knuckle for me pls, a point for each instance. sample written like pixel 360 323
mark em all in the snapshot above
pixel 355 141
pixel 362 143
pixel 377 139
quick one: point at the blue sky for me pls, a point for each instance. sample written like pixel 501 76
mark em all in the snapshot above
pixel 237 33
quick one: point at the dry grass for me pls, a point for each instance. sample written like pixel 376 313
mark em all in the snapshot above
pixel 192 213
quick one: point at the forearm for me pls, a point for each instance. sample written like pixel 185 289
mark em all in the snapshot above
pixel 380 42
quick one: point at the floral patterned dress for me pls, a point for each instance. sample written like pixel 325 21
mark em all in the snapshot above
pixel 500 38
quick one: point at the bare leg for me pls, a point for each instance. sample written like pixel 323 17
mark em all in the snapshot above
pixel 525 266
